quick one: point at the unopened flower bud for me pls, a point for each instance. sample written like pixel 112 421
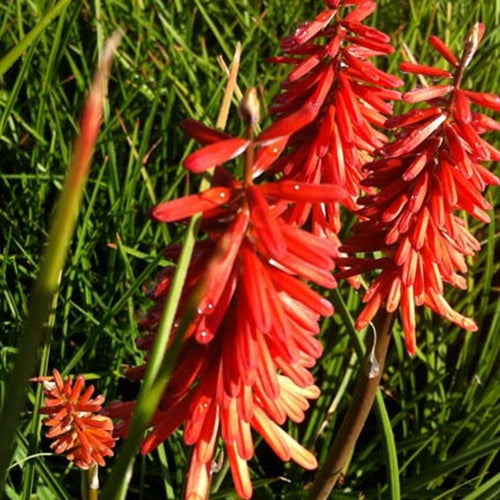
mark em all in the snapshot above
pixel 249 109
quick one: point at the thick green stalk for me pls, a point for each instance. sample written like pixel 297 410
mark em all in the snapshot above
pixel 53 260
pixel 162 362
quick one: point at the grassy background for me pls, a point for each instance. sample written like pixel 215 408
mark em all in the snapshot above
pixel 442 408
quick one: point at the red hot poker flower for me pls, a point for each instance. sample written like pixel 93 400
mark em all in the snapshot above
pixel 246 356
pixel 245 365
pixel 331 100
pixel 432 170
pixel 76 428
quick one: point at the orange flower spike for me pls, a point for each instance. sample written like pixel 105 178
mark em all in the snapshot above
pixel 78 431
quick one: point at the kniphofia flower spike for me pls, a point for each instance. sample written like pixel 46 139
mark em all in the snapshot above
pixel 77 429
pixel 433 169
pixel 330 105
pixel 247 355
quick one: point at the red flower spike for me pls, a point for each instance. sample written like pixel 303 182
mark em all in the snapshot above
pixel 332 99
pixel 76 426
pixel 431 170
pixel 246 357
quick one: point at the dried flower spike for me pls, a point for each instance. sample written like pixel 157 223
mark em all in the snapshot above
pixel 76 428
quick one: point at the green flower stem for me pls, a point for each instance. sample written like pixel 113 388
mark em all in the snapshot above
pixel 15 53
pixel 53 260
pixel 162 361
pixel 89 487
pixel 36 424
pixel 355 418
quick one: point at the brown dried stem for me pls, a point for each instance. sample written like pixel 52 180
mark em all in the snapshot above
pixel 355 418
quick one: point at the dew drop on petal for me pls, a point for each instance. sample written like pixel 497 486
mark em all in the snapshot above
pixel 300 33
pixel 296 187
pixel 210 306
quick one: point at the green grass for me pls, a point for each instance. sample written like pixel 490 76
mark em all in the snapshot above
pixel 440 412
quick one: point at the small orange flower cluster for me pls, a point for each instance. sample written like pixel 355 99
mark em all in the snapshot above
pixel 76 428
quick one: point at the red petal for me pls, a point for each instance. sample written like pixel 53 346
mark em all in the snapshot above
pixel 304 67
pixel 302 191
pixel 199 478
pixel 299 291
pixel 484 122
pixel 303 243
pixel 443 49
pixel 485 99
pixel 256 288
pixel 309 30
pixel 192 204
pixel 420 69
pixel 426 93
pixel 304 269
pixel 221 265
pixel 367 71
pixel 360 13
pixel 269 431
pixel 215 154
pixel 303 116
pixel 366 31
pixel 344 120
pixel 265 223
pixel 412 117
pixel 202 133
pixel 408 314
pixel 461 107
pixel 415 138
pixel 267 154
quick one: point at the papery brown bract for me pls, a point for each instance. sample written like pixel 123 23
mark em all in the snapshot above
pixel 431 171
pixel 76 428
